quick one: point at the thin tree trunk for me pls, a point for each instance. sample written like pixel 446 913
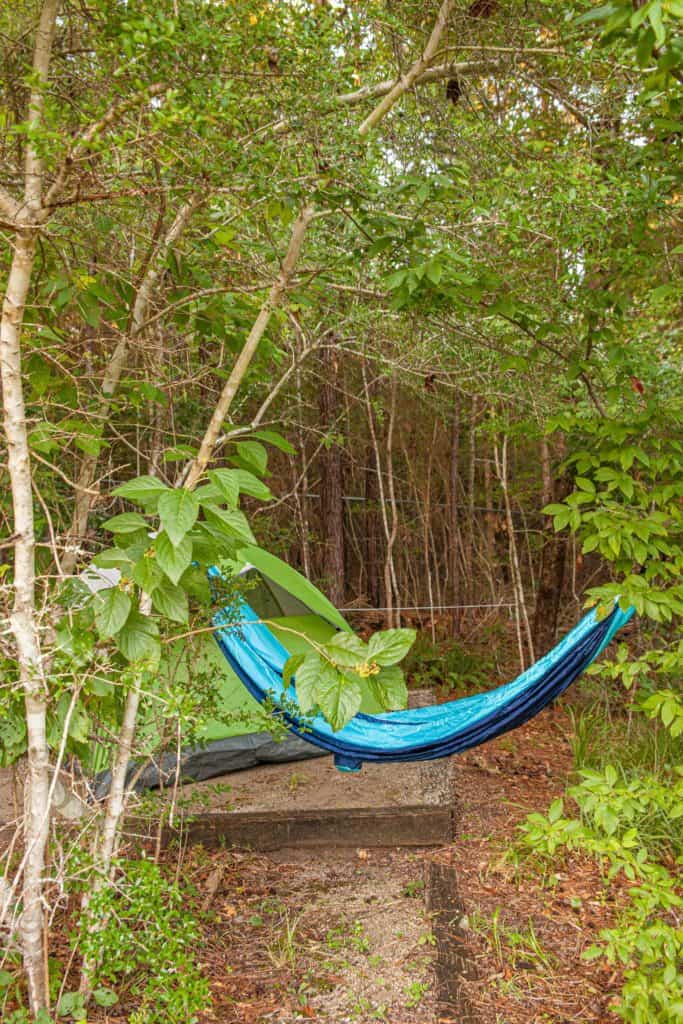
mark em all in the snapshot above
pixel 454 517
pixel 389 564
pixel 387 575
pixel 23 619
pixel 553 557
pixel 501 460
pixel 331 479
pixel 112 376
pixel 471 483
pixel 373 553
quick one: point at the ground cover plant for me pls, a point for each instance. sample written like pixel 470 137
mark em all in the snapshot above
pixel 391 291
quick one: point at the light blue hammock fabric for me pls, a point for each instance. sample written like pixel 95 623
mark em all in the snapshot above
pixel 417 734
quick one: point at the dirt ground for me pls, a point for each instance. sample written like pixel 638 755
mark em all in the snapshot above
pixel 341 938
pixel 344 937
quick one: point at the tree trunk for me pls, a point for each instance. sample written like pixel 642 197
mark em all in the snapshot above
pixel 23 620
pixel 553 560
pixel 454 518
pixel 331 476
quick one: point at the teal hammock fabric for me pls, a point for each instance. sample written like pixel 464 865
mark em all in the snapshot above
pixel 418 734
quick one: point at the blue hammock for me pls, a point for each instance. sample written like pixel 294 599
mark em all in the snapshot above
pixel 257 657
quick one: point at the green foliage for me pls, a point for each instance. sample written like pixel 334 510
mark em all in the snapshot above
pixel 626 505
pixel 330 678
pixel 447 665
pixel 148 943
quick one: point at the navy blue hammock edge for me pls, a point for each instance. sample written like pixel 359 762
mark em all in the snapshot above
pixel 257 657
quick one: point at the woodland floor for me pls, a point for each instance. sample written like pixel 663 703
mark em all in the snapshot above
pixel 346 938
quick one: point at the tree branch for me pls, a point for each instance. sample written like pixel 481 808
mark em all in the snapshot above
pixel 419 67
pixel 80 146
pixel 45 33
pixel 198 465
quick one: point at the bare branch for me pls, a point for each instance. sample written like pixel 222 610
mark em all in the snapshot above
pixel 434 74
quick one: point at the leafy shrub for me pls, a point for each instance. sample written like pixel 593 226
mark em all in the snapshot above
pixel 147 941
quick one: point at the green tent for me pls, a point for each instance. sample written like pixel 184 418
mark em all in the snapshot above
pixel 240 733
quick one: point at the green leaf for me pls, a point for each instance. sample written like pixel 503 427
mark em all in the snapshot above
pixel 277 440
pixel 347 649
pixel 171 600
pixel 6 979
pixel 554 510
pixel 230 521
pixel 113 558
pixel 173 559
pixel 112 607
pixel 251 485
pixel 319 684
pixel 147 573
pixel 291 667
pixel 338 697
pixel 178 510
pixel 128 522
pixel 139 638
pixel 391 646
pixel 555 810
pixel 227 483
pixel 253 456
pixel 308 675
pixel 389 688
pixel 145 490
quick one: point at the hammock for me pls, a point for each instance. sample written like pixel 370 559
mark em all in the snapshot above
pixel 417 734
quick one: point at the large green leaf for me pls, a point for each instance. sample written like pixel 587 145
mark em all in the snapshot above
pixel 338 697
pixel 178 511
pixel 390 646
pixel 112 607
pixel 145 490
pixel 173 559
pixel 227 483
pixel 347 649
pixel 276 439
pixel 309 674
pixel 147 573
pixel 389 688
pixel 113 558
pixel 229 521
pixel 253 456
pixel 139 638
pixel 171 600
pixel 251 485
pixel 291 666
pixel 127 522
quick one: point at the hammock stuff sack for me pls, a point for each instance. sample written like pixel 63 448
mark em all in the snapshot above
pixel 257 658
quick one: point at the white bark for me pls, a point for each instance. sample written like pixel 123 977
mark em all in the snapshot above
pixel 419 68
pixel 23 620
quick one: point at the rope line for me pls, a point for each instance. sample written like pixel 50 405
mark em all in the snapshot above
pixel 426 607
